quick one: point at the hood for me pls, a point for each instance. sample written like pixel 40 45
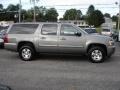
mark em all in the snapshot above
pixel 98 38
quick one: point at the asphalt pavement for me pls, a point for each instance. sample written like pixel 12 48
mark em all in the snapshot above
pixel 57 72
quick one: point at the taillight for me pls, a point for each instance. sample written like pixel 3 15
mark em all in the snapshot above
pixel 6 38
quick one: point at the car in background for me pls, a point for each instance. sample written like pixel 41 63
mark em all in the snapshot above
pixel 115 35
pixel 91 30
pixel 107 32
pixel 3 33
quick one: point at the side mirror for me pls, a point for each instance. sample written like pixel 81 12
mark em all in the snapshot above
pixel 78 34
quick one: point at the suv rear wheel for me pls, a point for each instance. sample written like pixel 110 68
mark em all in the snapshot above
pixel 27 53
pixel 96 54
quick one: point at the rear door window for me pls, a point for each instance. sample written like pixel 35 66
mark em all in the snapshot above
pixel 23 28
pixel 49 29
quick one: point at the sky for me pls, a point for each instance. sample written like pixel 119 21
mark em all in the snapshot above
pixel 106 6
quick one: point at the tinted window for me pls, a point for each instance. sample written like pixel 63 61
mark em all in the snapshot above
pixel 49 29
pixel 106 30
pixel 23 29
pixel 68 30
pixel 3 28
pixel 89 31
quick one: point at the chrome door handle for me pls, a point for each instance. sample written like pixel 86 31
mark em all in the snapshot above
pixel 43 37
pixel 63 38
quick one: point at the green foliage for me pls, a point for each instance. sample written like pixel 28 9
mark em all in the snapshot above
pixel 114 18
pixel 96 18
pixel 91 8
pixel 12 7
pixel 1 7
pixel 51 15
pixel 72 14
pixel 83 17
pixel 117 25
pixel 42 14
pixel 99 30
pixel 9 13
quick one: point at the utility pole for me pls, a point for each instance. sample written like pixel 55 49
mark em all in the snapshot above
pixel 19 11
pixel 119 23
pixel 118 3
pixel 34 18
pixel 119 16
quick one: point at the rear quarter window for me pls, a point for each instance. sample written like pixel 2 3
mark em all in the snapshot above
pixel 23 28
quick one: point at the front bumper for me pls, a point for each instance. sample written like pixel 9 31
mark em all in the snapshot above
pixel 110 50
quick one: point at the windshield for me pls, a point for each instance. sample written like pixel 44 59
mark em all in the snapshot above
pixel 106 30
pixel 81 30
pixel 89 31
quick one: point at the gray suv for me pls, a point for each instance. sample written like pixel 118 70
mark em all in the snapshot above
pixel 29 39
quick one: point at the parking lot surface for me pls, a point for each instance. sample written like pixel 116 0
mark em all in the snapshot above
pixel 57 72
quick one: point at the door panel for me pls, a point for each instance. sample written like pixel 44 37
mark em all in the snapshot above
pixel 69 42
pixel 48 40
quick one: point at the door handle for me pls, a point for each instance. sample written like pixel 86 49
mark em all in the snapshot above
pixel 43 37
pixel 63 38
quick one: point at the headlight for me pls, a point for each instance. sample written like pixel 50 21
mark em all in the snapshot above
pixel 111 42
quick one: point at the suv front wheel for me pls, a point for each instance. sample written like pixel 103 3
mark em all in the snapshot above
pixel 96 54
pixel 27 53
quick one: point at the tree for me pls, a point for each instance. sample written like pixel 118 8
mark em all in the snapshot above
pixel 72 14
pixel 114 18
pixel 1 7
pixel 107 15
pixel 79 15
pixel 91 8
pixel 88 16
pixel 96 18
pixel 1 12
pixel 13 8
pixel 51 15
pixel 83 17
pixel 10 12
pixel 29 15
pixel 34 4
pixel 40 13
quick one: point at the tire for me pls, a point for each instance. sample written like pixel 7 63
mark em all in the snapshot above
pixel 96 54
pixel 2 46
pixel 116 39
pixel 27 53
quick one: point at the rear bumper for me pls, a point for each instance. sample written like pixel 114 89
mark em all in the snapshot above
pixel 10 47
pixel 110 50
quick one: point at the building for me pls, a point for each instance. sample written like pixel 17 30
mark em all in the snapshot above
pixel 79 23
pixel 5 23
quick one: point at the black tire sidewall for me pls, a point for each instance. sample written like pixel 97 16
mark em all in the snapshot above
pixel 32 53
pixel 96 48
